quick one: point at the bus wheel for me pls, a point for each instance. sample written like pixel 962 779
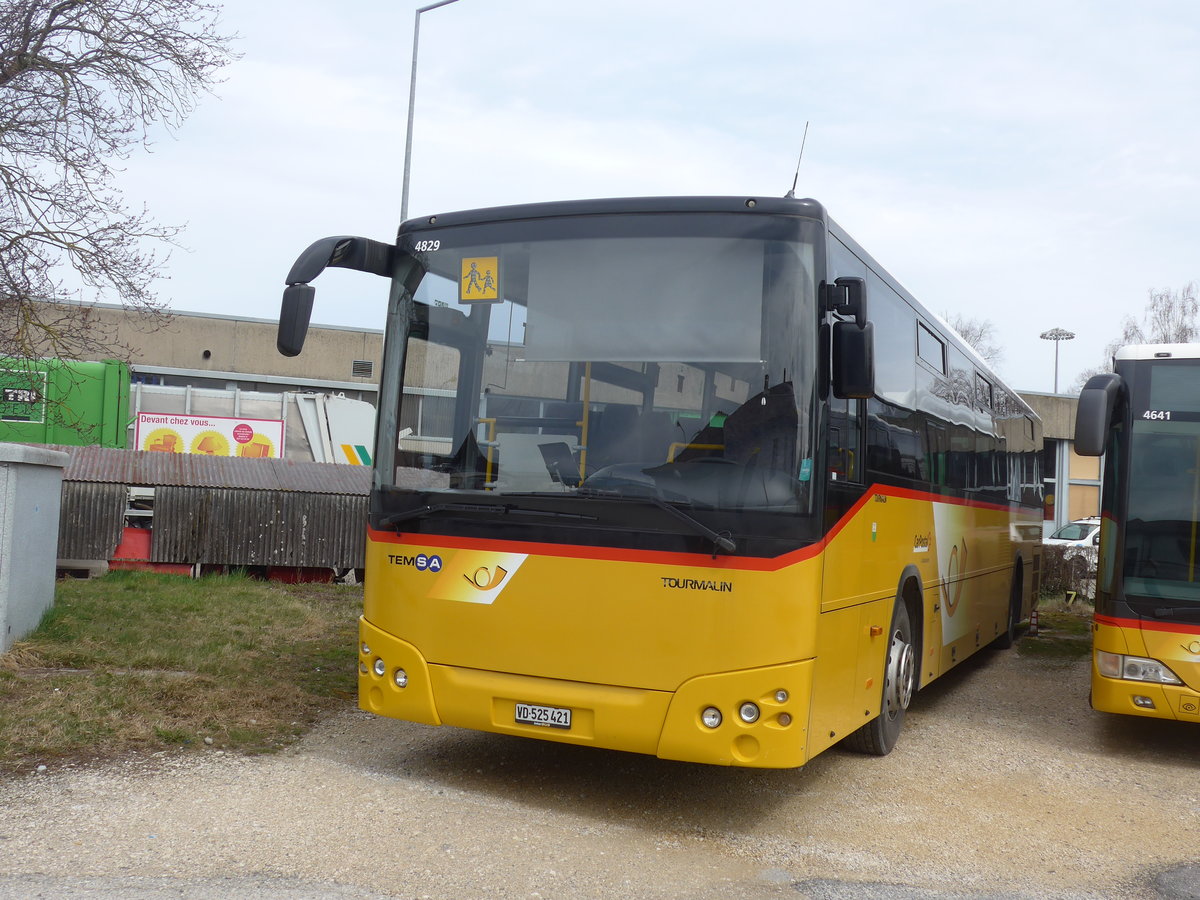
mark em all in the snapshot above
pixel 1008 637
pixel 879 736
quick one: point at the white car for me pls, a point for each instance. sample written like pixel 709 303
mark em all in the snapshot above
pixel 1079 540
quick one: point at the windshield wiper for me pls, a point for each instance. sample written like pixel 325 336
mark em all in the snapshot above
pixel 506 509
pixel 721 541
pixel 416 513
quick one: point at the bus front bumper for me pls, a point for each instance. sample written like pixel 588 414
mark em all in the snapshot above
pixel 761 721
pixel 1137 698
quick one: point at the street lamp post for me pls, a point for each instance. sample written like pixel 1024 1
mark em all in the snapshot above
pixel 1057 335
pixel 412 99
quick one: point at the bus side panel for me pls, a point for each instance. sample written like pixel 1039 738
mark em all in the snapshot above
pixel 849 671
pixel 964 554
pixel 889 532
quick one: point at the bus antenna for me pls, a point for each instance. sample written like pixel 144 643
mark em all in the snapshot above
pixel 791 195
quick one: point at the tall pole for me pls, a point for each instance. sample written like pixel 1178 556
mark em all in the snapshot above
pixel 1057 335
pixel 412 101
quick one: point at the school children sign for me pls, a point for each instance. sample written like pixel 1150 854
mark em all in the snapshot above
pixel 209 435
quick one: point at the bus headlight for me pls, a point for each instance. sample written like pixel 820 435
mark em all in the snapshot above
pixel 380 667
pixel 711 717
pixel 1134 668
pixel 401 678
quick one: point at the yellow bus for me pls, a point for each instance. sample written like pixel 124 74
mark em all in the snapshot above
pixel 1145 419
pixel 691 477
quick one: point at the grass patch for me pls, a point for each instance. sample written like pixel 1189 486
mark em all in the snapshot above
pixel 140 661
pixel 1064 631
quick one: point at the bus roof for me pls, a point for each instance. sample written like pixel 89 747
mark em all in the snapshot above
pixel 1159 351
pixel 807 208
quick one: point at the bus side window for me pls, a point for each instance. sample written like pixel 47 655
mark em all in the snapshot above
pixel 845 461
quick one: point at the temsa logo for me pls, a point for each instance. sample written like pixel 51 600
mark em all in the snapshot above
pixel 1193 647
pixel 422 562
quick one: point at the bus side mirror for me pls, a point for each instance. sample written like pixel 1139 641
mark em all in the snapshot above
pixel 294 315
pixel 1093 419
pixel 360 254
pixel 853 360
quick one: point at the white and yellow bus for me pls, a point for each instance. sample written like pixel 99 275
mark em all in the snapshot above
pixel 1145 419
pixel 692 477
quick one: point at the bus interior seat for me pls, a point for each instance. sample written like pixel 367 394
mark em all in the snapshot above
pixel 657 433
pixel 762 431
pixel 613 436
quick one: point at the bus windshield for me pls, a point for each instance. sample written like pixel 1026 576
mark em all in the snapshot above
pixel 664 356
pixel 1162 531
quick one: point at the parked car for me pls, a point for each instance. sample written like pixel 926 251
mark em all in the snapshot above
pixel 1079 541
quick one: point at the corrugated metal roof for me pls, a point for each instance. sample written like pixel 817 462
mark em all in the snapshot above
pixel 142 467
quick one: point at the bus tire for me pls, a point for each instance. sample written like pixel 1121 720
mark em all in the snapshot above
pixel 1008 637
pixel 879 736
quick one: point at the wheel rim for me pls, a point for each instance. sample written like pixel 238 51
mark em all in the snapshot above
pixel 899 688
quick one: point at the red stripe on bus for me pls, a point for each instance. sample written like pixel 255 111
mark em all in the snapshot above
pixel 1147 625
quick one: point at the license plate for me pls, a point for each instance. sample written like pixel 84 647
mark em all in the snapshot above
pixel 546 716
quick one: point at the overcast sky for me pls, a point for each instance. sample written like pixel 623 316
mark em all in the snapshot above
pixel 1033 163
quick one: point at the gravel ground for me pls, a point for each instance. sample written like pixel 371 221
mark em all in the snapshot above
pixel 1004 785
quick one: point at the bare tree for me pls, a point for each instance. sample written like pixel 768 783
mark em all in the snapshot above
pixel 1169 318
pixel 980 334
pixel 81 84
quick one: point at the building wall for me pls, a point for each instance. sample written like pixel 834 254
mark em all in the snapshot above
pixel 1073 481
pixel 224 347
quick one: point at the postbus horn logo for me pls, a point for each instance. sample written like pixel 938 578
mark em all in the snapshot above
pixel 484 579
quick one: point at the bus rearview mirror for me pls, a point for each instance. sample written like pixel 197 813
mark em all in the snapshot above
pixel 294 315
pixel 853 361
pixel 1093 419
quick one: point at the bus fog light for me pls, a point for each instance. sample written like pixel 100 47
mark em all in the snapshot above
pixel 711 717
pixel 380 667
pixel 748 712
pixel 401 678
pixel 1143 702
pixel 781 696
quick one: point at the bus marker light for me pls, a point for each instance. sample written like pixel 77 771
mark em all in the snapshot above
pixel 1108 664
pixel 401 678
pixel 748 712
pixel 781 696
pixel 711 717
pixel 785 719
pixel 366 650
pixel 380 666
